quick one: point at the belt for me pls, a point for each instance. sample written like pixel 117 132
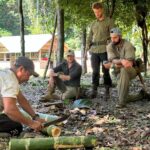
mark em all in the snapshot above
pixel 99 43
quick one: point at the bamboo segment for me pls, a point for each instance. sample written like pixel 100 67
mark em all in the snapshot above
pixel 47 117
pixel 52 143
pixel 52 130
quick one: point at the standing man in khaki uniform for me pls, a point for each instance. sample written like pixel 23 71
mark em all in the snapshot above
pixel 121 55
pixel 96 44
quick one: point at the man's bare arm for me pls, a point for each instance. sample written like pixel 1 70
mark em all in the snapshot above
pixel 12 111
pixel 25 104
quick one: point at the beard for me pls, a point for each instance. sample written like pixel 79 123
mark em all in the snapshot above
pixel 116 43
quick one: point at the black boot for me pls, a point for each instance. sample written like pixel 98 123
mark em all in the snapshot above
pixel 107 93
pixel 93 92
pixel 145 94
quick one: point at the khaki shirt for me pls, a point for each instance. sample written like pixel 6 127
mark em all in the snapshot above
pixel 124 50
pixel 99 32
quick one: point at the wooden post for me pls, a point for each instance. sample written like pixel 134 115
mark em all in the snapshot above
pixel 51 47
pixel 83 45
pixel 60 31
pixel 21 28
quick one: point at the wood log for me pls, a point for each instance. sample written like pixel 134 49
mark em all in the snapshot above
pixel 52 130
pixel 53 143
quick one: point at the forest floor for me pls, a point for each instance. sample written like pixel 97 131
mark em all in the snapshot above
pixel 125 128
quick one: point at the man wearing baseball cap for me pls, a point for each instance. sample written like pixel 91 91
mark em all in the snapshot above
pixel 27 64
pixel 66 76
pixel 121 55
pixel 11 119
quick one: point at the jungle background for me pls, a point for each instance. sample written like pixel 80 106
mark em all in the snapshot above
pixel 116 129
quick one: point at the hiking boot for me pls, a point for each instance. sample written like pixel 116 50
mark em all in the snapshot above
pixel 107 93
pixel 145 94
pixel 119 105
pixel 49 95
pixel 93 92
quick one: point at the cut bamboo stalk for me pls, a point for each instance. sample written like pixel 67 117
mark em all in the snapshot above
pixel 52 131
pixel 53 143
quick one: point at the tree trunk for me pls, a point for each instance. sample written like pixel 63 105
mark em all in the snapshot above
pixel 51 48
pixel 60 31
pixel 53 143
pixel 145 45
pixel 113 4
pixel 22 28
pixel 141 12
pixel 83 58
pixel 111 7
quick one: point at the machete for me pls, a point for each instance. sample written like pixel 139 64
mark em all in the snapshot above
pixel 55 121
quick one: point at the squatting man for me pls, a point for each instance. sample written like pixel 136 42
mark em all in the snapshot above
pixel 121 56
pixel 11 119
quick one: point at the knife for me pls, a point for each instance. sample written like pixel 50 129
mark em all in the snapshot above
pixel 55 121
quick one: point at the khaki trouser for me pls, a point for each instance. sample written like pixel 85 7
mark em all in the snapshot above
pixel 67 91
pixel 125 75
pixel 70 92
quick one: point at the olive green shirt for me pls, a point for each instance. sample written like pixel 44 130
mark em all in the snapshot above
pixel 123 50
pixel 99 33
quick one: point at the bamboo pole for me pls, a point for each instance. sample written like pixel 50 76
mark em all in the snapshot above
pixel 53 143
pixel 51 130
pixel 46 117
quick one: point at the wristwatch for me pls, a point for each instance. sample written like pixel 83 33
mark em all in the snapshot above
pixel 35 117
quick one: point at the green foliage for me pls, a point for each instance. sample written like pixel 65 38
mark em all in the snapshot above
pixel 4 32
pixel 72 38
pixel 9 19
pixel 39 18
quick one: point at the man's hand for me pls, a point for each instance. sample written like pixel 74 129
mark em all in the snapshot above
pixel 118 66
pixel 127 63
pixel 36 125
pixel 107 65
pixel 40 119
pixel 64 77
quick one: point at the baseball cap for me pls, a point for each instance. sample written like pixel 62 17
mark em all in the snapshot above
pixel 70 53
pixel 27 64
pixel 115 31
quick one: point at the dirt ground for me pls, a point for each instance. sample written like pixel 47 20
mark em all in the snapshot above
pixel 115 128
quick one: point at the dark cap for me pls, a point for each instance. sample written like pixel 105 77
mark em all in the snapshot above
pixel 70 53
pixel 27 64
